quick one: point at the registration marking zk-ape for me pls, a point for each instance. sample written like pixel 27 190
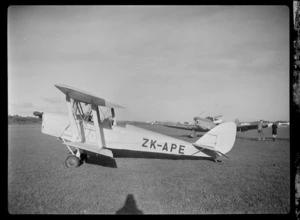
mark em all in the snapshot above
pixel 168 147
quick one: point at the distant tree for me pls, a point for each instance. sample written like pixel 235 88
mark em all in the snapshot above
pixel 16 119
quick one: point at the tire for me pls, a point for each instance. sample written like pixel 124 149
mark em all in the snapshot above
pixel 72 161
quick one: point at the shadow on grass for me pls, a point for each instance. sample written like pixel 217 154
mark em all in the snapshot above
pixel 129 207
pixel 91 158
pixel 100 160
pixel 151 155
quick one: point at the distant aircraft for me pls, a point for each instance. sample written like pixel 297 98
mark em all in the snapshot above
pixel 85 131
pixel 200 125
pixel 283 123
pixel 208 122
pixel 245 126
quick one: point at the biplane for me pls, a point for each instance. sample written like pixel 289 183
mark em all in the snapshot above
pixel 200 124
pixel 88 129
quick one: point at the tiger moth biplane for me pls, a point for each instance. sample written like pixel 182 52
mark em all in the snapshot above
pixel 85 131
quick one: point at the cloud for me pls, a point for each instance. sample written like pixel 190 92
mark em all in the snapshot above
pixel 51 105
pixel 190 54
pixel 22 105
pixel 24 108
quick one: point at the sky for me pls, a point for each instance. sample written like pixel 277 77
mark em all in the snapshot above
pixel 166 63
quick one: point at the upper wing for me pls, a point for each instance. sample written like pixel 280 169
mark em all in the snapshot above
pixel 218 116
pixel 82 96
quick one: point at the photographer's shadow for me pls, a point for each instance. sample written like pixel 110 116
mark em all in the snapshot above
pixel 129 207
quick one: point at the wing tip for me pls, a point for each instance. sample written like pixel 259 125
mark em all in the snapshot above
pixel 107 103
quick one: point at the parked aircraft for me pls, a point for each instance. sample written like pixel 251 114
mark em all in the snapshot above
pixel 241 126
pixel 245 126
pixel 200 125
pixel 283 123
pixel 87 130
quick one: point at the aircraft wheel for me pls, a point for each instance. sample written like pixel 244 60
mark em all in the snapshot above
pixel 72 161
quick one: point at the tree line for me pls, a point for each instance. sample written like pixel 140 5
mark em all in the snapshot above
pixel 16 119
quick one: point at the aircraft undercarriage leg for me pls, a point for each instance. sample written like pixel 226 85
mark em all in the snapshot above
pixel 75 159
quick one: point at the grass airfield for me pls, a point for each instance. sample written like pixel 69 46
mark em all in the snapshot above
pixel 254 180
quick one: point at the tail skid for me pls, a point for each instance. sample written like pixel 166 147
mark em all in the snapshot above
pixel 220 139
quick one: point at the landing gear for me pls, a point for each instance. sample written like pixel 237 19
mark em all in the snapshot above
pixel 72 161
pixel 75 159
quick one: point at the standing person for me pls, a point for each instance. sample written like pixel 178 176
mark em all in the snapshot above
pixel 274 130
pixel 260 131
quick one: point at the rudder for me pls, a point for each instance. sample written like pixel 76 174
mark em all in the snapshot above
pixel 220 138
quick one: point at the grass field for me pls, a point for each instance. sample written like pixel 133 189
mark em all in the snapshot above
pixel 255 179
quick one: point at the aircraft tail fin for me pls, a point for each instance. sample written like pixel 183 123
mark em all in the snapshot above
pixel 219 139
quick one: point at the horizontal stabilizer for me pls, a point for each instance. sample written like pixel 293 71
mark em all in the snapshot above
pixel 85 97
pixel 201 148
